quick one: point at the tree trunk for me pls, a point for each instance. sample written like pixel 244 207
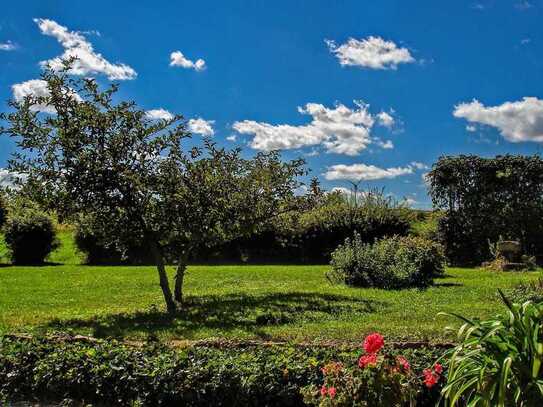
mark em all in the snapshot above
pixel 179 278
pixel 163 278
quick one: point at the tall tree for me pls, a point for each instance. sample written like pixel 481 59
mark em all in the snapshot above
pixel 136 178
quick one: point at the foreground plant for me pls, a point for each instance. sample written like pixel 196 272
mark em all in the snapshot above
pixel 378 379
pixel 498 361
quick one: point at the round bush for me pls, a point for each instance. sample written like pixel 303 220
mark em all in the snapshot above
pixel 391 263
pixel 30 235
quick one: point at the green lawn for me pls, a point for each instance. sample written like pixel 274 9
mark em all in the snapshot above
pixel 259 302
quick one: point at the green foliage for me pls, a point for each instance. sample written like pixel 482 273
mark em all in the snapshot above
pixel 391 263
pixel 140 181
pixel 426 224
pixel 3 211
pixel 485 198
pixel 526 291
pixel 311 235
pixel 99 249
pixel 498 361
pixel 110 373
pixel 378 379
pixel 30 235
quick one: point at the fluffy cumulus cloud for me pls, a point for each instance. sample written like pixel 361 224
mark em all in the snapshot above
pixel 385 120
pixel 158 114
pixel 7 46
pixel 75 45
pixel 201 126
pixel 371 52
pixel 178 59
pixel 36 88
pixel 516 121
pixel 341 130
pixel 364 172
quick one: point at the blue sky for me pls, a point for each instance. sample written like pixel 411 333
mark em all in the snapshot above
pixel 373 91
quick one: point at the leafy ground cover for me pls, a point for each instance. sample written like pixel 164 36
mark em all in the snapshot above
pixel 238 302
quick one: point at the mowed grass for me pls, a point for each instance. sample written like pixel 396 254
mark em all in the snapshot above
pixel 238 302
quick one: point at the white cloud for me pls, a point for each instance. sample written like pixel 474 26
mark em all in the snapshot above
pixel 8 179
pixel 232 137
pixel 516 121
pixel 385 120
pixel 471 128
pixel 178 59
pixel 371 52
pixel 7 46
pixel 38 89
pixel 364 172
pixel 75 45
pixel 419 166
pixel 158 114
pixel 340 130
pixel 385 145
pixel 201 126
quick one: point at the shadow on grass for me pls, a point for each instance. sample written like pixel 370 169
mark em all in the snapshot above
pixel 235 312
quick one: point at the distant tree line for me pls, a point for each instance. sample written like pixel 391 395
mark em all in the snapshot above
pixel 484 199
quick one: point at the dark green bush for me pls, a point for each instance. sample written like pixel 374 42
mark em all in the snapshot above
pixel 30 235
pixel 311 236
pixel 110 373
pixel 391 263
pixel 485 198
pixel 89 241
pixel 3 211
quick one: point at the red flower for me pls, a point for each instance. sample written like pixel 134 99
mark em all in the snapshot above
pixel 367 360
pixel 430 378
pixel 373 343
pixel 438 368
pixel 324 391
pixel 404 363
pixel 332 392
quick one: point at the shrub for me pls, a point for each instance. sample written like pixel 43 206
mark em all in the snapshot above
pixel 30 235
pixel 378 379
pixel 498 361
pixel 111 373
pixel 391 263
pixel 90 241
pixel 311 236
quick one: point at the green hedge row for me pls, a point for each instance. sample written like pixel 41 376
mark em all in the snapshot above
pixel 300 237
pixel 110 373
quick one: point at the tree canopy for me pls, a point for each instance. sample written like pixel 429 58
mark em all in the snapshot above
pixel 141 180
pixel 485 199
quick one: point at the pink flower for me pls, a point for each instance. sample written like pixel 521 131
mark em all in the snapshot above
pixel 324 391
pixel 438 368
pixel 332 392
pixel 367 360
pixel 430 378
pixel 373 343
pixel 404 363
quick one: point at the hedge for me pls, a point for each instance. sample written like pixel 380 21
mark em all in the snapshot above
pixel 113 373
